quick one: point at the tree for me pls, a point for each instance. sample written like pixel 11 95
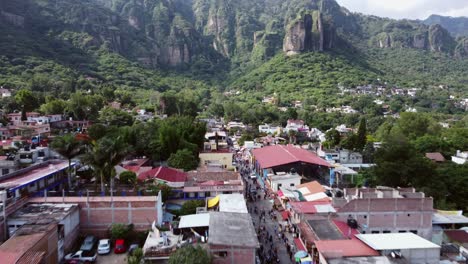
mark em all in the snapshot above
pixel 115 117
pixel 104 154
pixel 291 113
pixel 190 207
pixel 190 255
pixel 166 190
pixel 27 100
pixel 119 231
pixel 53 106
pixel 333 137
pixel 183 159
pixel 69 147
pixel 361 135
pixel 84 106
pixel 128 177
pixel 136 256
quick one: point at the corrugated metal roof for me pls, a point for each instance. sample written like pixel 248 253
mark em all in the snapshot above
pixel 278 155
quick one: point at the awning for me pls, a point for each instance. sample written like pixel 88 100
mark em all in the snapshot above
pixel 213 201
pixel 299 244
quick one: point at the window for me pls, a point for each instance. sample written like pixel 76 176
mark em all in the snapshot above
pixel 292 184
pixel 5 171
pixel 221 254
pixel 375 232
pixel 386 232
pixel 401 231
pixel 414 231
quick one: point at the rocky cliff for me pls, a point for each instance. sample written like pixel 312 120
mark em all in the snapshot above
pixel 160 33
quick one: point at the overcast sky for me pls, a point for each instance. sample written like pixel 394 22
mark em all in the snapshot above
pixel 412 9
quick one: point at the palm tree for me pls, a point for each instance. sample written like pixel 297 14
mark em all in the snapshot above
pixel 103 155
pixel 69 147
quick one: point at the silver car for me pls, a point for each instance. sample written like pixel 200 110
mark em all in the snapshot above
pixel 104 246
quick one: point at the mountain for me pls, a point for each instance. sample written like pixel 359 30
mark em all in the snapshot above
pixel 457 26
pixel 138 43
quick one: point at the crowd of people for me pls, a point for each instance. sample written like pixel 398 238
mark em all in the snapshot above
pixel 274 236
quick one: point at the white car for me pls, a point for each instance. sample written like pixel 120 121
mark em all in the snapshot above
pixel 104 246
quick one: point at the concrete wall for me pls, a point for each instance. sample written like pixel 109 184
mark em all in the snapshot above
pixel 221 158
pixel 235 255
pixel 391 214
pixel 98 213
pixel 422 256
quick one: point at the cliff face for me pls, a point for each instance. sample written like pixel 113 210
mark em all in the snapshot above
pixel 161 33
pixel 305 34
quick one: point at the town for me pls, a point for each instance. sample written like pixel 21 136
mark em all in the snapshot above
pixel 288 195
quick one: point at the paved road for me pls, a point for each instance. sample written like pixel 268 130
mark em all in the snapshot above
pixel 269 224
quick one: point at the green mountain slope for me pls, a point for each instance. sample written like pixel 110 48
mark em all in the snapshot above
pixel 292 45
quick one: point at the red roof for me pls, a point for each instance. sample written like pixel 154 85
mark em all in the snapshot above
pixel 344 229
pixel 344 248
pixel 435 156
pixel 307 207
pixel 164 173
pixel 457 235
pixel 278 155
pixel 299 244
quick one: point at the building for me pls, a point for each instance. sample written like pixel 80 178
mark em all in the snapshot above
pixel 15 118
pixel 222 158
pixel 387 210
pixel 461 157
pixel 66 217
pixel 232 238
pixel 435 157
pixel 296 125
pixel 4 92
pixel 342 249
pixel 33 154
pixel 34 180
pixel 172 177
pixel 283 180
pixel 98 213
pixel 34 244
pixel 270 129
pixel 232 203
pixel 413 248
pixel 203 184
pixel 280 158
pixel 8 164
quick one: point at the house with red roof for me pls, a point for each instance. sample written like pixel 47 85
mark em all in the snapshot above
pixel 170 176
pixel 287 158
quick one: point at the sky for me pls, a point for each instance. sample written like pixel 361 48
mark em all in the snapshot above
pixel 411 9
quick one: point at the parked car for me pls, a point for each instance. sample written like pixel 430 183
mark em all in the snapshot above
pixel 88 243
pixel 132 248
pixel 119 246
pixel 82 256
pixel 104 247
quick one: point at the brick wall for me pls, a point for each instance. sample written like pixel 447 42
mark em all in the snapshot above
pixel 234 255
pixel 98 213
pixel 391 214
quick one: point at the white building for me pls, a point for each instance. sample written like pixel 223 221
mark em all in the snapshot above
pixel 5 92
pixel 461 157
pixel 412 247
pixel 270 129
pixel 296 125
pixel 238 125
pixel 283 180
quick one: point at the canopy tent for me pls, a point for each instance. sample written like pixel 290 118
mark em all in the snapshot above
pixel 213 201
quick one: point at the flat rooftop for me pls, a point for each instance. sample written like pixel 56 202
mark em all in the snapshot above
pixel 232 229
pixel 368 260
pixel 325 229
pixel 33 175
pixel 32 212
pixel 233 203
pixel 394 241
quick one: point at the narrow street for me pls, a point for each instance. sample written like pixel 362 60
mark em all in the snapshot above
pixel 267 225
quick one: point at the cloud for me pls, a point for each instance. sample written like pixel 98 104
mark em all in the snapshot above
pixel 412 9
